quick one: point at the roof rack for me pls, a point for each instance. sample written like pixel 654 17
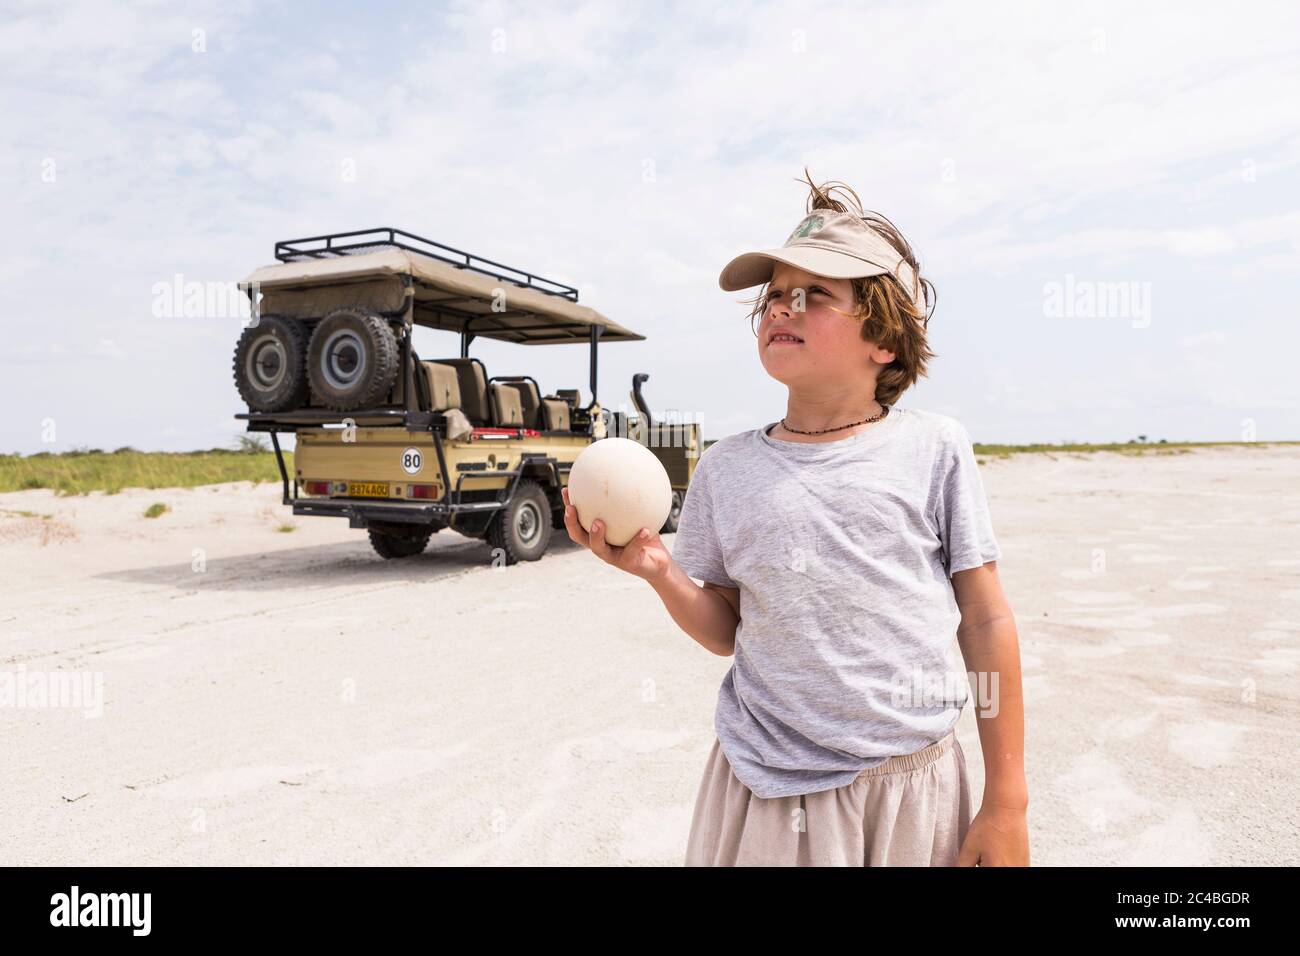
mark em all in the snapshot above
pixel 368 240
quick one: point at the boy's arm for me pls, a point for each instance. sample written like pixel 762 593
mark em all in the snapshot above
pixel 731 594
pixel 990 646
pixel 709 614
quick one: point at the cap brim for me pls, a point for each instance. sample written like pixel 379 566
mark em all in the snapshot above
pixel 755 268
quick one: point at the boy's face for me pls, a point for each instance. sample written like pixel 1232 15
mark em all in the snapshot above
pixel 833 350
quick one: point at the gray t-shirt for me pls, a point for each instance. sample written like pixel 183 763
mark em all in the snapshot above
pixel 846 651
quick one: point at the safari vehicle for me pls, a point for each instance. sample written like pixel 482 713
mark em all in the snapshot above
pixel 405 447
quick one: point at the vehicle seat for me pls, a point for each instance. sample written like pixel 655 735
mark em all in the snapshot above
pixel 444 385
pixel 507 404
pixel 472 381
pixel 555 413
pixel 571 395
pixel 530 398
pixel 444 396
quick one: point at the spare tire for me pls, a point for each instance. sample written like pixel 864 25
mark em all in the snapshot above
pixel 271 364
pixel 352 359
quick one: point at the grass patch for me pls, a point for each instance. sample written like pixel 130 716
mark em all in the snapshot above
pixel 85 470
pixel 156 509
pixel 1132 448
pixel 1123 448
pixel 286 528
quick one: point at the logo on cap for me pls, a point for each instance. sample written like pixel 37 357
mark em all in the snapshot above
pixel 808 225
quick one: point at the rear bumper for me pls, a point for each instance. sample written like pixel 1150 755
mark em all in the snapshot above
pixel 359 512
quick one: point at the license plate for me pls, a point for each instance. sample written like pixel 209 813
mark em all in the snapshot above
pixel 368 489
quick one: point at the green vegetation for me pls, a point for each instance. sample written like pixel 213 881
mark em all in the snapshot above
pixel 156 509
pixel 286 528
pixel 85 470
pixel 90 469
pixel 1161 447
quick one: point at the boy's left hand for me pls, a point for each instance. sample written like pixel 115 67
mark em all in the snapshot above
pixel 998 836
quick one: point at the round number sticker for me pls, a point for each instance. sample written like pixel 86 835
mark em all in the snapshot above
pixel 412 460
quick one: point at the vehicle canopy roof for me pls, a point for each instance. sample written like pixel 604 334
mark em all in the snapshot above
pixel 453 296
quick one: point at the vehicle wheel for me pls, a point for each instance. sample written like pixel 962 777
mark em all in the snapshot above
pixel 352 359
pixel 522 529
pixel 400 544
pixel 405 529
pixel 670 526
pixel 270 365
pixel 557 510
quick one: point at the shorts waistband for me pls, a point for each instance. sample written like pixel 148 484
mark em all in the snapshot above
pixel 913 761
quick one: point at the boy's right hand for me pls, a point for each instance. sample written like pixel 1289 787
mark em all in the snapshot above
pixel 644 556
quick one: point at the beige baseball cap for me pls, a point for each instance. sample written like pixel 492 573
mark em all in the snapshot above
pixel 838 245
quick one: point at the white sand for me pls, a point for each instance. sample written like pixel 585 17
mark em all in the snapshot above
pixel 302 701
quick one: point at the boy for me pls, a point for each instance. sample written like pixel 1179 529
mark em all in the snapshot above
pixel 839 550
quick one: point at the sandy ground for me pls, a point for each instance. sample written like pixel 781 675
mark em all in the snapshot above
pixel 285 698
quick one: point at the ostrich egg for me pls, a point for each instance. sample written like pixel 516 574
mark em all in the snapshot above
pixel 621 482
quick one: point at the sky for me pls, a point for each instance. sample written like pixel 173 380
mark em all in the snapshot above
pixel 1039 157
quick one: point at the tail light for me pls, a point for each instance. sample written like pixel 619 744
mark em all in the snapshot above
pixel 318 487
pixel 423 491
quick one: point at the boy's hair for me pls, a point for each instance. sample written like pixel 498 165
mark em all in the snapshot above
pixel 889 316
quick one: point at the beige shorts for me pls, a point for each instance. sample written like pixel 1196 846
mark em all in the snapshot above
pixel 911 810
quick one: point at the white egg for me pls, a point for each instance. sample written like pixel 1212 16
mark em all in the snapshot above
pixel 621 482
